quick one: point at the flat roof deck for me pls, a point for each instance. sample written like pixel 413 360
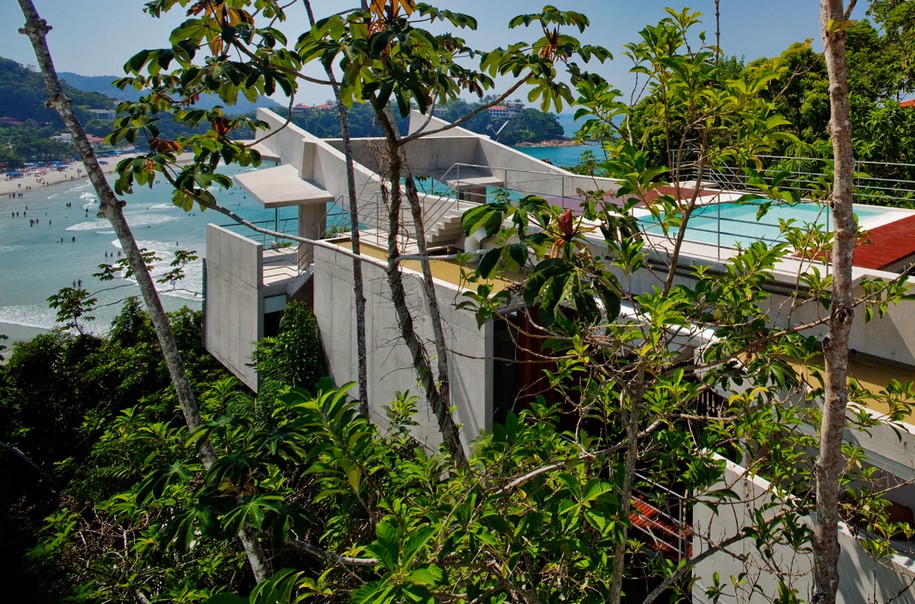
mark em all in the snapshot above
pixel 447 270
pixel 282 186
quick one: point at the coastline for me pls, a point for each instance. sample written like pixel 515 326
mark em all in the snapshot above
pixel 25 315
pixel 555 142
pixel 37 178
pixel 18 333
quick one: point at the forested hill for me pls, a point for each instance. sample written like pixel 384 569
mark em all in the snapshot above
pixel 105 85
pixel 24 95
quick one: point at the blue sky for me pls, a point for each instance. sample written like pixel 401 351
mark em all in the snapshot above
pixel 96 37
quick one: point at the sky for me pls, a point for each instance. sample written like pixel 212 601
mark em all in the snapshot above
pixel 96 37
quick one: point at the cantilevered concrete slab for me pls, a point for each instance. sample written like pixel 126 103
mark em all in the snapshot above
pixel 282 186
pixel 468 178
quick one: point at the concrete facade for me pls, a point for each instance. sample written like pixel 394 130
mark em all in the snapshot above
pixel 233 306
pixel 390 367
pixel 862 577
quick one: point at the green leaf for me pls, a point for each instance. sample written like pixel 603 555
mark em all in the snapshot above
pixel 488 262
pixel 430 575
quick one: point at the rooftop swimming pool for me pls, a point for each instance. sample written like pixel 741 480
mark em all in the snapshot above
pixel 731 224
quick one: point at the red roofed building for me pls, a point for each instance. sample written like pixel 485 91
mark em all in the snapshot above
pixel 303 109
pixel 910 103
pixel 507 110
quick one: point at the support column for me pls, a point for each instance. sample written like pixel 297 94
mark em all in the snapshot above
pixel 313 225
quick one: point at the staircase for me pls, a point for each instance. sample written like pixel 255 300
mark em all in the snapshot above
pixel 446 230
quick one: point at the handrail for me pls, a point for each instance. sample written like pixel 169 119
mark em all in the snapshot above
pixel 432 217
pixel 804 174
pixel 681 530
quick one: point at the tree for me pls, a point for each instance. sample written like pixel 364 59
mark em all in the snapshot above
pixel 383 57
pixel 530 125
pixel 896 19
pixel 36 29
pixel 544 508
pixel 834 19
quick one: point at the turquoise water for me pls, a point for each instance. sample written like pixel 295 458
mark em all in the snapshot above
pixel 67 244
pixel 563 156
pixel 733 224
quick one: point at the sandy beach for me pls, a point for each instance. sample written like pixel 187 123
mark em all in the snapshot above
pixel 41 177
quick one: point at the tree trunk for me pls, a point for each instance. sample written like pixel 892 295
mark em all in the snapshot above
pixel 439 403
pixel 37 29
pixel 358 288
pixel 833 16
pixel 630 459
pixel 435 314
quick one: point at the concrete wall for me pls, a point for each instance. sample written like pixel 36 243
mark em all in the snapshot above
pixel 233 307
pixel 890 447
pixel 518 170
pixel 390 368
pixel 862 578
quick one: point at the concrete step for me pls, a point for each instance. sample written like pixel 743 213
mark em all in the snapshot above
pixel 447 229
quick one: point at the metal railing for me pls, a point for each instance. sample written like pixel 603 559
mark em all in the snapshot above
pixel 877 183
pixel 531 182
pixel 668 524
pixel 285 226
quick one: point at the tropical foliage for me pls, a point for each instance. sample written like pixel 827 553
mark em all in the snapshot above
pixel 652 387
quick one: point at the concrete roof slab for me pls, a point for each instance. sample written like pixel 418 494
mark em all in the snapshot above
pixel 282 186
pixel 468 177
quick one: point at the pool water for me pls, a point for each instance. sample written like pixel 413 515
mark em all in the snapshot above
pixel 736 224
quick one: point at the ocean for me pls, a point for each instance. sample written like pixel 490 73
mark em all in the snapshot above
pixel 57 241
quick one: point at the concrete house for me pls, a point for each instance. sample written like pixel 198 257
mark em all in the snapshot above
pixel 248 285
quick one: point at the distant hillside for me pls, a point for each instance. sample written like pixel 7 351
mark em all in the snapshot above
pixel 24 95
pixel 104 85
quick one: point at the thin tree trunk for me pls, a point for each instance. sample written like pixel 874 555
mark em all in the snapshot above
pixel 717 31
pixel 36 29
pixel 435 314
pixel 439 396
pixel 358 288
pixel 440 405
pixel 835 348
pixel 629 463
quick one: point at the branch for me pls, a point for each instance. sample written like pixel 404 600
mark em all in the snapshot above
pixel 561 464
pixel 420 134
pixel 327 556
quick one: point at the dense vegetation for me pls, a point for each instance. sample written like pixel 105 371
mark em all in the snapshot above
pixel 60 396
pixel 105 85
pixel 83 419
pixel 31 142
pixel 24 96
pixel 527 126
pixel 27 137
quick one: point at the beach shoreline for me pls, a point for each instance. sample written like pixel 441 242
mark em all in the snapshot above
pixel 42 177
pixel 18 333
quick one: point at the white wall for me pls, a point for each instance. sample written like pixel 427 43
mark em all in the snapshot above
pixel 233 312
pixel 390 368
pixel 862 578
